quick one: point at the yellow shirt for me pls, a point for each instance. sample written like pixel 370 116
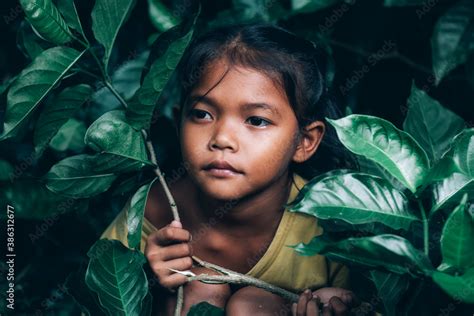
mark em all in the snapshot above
pixel 280 265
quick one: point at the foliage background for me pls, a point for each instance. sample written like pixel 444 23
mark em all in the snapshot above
pixel 376 53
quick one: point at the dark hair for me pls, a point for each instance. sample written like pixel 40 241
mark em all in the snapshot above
pixel 293 62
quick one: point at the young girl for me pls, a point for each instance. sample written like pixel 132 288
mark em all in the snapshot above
pixel 250 128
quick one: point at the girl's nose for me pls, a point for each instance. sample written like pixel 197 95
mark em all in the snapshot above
pixel 224 137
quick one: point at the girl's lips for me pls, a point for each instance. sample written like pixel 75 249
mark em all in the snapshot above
pixel 221 173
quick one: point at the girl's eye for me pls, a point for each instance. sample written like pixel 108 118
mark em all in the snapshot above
pixel 200 114
pixel 258 121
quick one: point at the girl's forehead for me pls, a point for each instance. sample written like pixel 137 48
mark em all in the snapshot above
pixel 222 80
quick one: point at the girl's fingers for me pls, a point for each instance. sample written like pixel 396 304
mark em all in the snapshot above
pixel 161 268
pixel 172 252
pixel 302 302
pixel 312 309
pixel 338 306
pixel 326 311
pixel 173 281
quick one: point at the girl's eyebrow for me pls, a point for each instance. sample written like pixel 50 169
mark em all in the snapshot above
pixel 246 107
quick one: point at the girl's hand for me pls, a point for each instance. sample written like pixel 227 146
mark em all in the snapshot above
pixel 335 301
pixel 169 248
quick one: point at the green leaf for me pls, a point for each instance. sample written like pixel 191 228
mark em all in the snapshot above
pixel 457 239
pixel 116 274
pixel 387 252
pixel 32 200
pixel 112 134
pixel 447 192
pixel 75 177
pixel 355 198
pixel 56 113
pixel 432 125
pixel 34 83
pixel 452 38
pixel 46 20
pixel 161 17
pixel 70 136
pixel 110 163
pixel 28 42
pixel 166 53
pixel 135 215
pixel 463 152
pixel 108 16
pixel 305 6
pixel 205 309
pixel 69 12
pixel 380 141
pixel 390 288
pixel 459 287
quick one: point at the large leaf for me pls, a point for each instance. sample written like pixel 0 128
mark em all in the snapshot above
pixel 390 288
pixel 380 141
pixel 108 16
pixel 70 136
pixel 457 239
pixel 34 83
pixel 117 164
pixel 57 113
pixel 432 125
pixel 32 200
pixel 75 177
pixel 112 134
pixel 455 172
pixel 28 42
pixel 45 18
pixel 355 198
pixel 459 287
pixel 135 215
pixel 386 252
pixel 116 274
pixel 452 38
pixel 166 53
pixel 161 17
pixel 69 12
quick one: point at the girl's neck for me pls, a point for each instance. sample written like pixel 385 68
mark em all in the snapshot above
pixel 250 215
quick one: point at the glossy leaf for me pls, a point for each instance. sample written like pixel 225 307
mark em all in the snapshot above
pixel 166 54
pixel 387 252
pixel 28 42
pixel 46 20
pixel 74 176
pixel 56 113
pixel 34 83
pixel 380 141
pixel 355 198
pixel 70 136
pixel 205 309
pixel 390 288
pixel 457 239
pixel 110 163
pixel 448 192
pixel 116 274
pixel 452 37
pixel 32 200
pixel 161 17
pixel 112 134
pixel 459 287
pixel 69 12
pixel 135 215
pixel 108 16
pixel 432 125
pixel 463 152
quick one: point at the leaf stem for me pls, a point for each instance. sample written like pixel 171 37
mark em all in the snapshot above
pixel 115 93
pixel 425 228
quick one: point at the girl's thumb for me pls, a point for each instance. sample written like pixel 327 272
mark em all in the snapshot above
pixel 176 224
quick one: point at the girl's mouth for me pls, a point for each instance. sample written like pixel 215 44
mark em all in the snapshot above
pixel 221 169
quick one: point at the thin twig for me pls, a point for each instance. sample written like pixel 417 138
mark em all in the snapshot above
pixel 115 92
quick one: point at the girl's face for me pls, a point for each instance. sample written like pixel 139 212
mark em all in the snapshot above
pixel 244 121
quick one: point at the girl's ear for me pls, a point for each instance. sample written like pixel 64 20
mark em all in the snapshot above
pixel 309 141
